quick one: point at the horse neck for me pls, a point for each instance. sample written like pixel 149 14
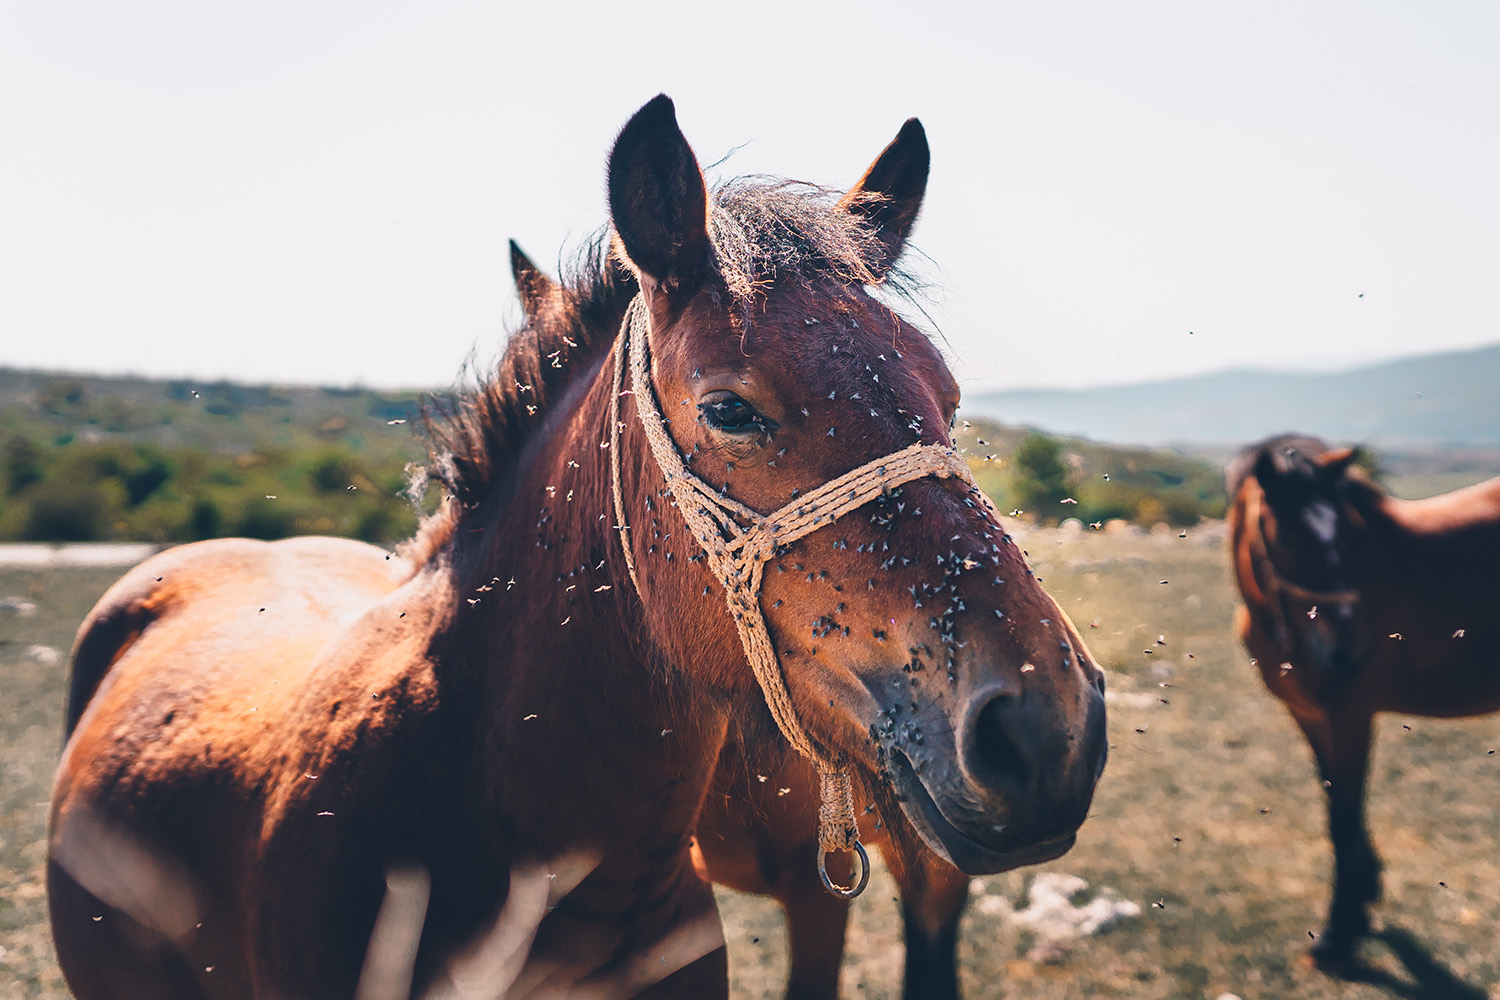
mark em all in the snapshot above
pixel 590 739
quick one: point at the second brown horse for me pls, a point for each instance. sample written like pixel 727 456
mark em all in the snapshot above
pixel 1357 603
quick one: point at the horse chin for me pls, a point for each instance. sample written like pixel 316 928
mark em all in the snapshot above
pixel 965 851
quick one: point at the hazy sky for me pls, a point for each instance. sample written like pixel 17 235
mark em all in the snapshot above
pixel 322 191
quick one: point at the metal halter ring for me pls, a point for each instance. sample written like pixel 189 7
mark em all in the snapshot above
pixel 862 878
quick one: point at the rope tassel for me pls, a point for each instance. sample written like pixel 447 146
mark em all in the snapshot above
pixel 738 541
pixel 838 830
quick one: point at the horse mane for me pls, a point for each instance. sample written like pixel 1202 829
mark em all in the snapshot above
pixel 471 433
pixel 1239 468
pixel 761 230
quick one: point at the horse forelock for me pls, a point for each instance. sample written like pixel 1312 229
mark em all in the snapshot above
pixel 765 229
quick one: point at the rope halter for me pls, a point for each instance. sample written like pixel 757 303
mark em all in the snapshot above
pixel 738 541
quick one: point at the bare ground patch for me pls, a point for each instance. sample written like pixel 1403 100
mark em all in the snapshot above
pixel 1209 817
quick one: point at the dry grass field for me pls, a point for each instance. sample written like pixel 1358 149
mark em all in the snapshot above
pixel 1209 816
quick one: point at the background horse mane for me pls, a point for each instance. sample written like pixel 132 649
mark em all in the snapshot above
pixel 760 230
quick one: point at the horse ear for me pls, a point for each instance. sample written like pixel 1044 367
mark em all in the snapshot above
pixel 1335 463
pixel 533 286
pixel 657 199
pixel 889 195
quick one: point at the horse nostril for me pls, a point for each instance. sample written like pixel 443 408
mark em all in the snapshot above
pixel 996 757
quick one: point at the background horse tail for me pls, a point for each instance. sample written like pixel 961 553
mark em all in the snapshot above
pixel 1239 468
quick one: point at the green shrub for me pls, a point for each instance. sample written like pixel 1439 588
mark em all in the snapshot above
pixel 1041 479
pixel 60 512
pixel 24 464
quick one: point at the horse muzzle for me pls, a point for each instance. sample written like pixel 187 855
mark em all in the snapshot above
pixel 1008 786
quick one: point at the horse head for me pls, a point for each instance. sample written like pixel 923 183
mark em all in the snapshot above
pixel 1305 526
pixel 912 644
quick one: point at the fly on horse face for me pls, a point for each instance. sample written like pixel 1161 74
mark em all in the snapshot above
pixel 708 486
pixel 1357 603
pixel 757 833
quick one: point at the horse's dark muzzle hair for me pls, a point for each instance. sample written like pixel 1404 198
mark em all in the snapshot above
pixel 1008 786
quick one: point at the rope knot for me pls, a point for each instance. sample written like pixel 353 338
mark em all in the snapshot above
pixel 838 830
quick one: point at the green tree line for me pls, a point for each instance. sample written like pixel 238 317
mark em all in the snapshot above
pixel 93 459
pixel 115 490
pixel 90 459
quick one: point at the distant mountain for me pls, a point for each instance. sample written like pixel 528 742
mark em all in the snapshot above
pixel 1434 400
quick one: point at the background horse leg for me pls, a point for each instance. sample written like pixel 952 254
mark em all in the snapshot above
pixel 816 921
pixel 1341 742
pixel 933 895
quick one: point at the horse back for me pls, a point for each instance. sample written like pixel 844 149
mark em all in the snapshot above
pixel 217 601
pixel 1470 515
pixel 199 651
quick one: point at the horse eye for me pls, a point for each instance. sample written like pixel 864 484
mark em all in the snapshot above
pixel 729 413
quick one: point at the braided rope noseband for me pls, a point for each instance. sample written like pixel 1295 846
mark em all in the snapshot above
pixel 739 541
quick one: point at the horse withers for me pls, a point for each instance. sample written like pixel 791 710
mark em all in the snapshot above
pixel 312 768
pixel 1355 603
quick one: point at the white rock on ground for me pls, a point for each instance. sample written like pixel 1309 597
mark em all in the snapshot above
pixel 1052 917
pixel 17 607
pixel 47 656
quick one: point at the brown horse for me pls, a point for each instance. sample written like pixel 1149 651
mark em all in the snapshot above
pixel 1357 603
pixel 756 833
pixel 312 768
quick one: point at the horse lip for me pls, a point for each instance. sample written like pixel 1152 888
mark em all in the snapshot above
pixel 963 852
